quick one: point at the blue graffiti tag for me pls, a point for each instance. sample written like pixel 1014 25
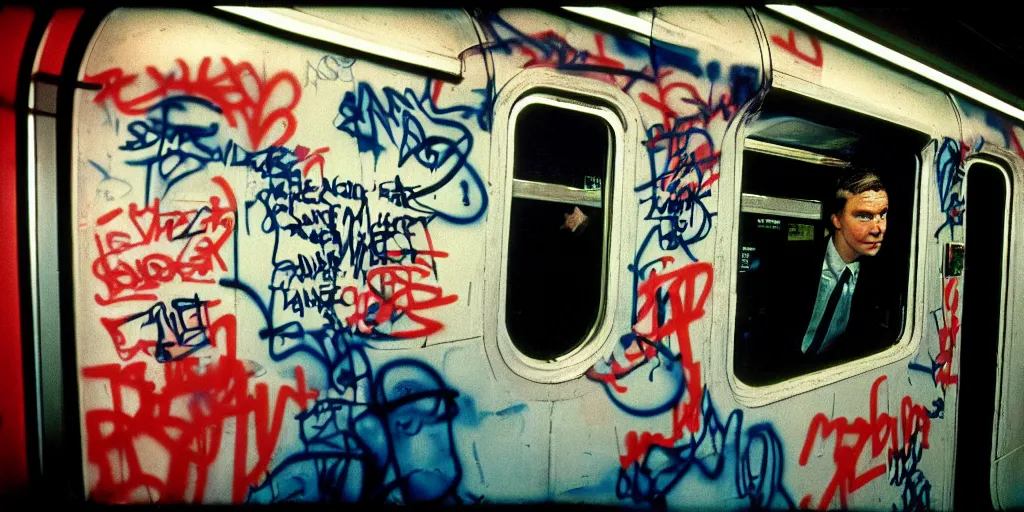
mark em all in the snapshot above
pixel 415 127
pixel 383 435
pixel 903 471
pixel 177 148
pixel 758 472
pixel 949 177
pixel 677 188
pixel 392 442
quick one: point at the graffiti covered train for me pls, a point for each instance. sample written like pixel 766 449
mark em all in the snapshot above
pixel 495 257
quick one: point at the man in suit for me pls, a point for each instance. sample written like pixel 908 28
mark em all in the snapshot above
pixel 858 224
pixel 821 303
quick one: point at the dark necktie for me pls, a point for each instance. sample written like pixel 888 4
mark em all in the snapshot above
pixel 830 309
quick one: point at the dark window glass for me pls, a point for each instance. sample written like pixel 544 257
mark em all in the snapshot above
pixel 557 246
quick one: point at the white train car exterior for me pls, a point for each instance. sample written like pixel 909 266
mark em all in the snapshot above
pixel 440 256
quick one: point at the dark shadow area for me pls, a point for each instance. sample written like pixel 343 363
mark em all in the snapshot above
pixel 980 321
pixel 978 41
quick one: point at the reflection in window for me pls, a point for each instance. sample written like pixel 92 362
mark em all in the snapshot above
pixel 557 243
pixel 808 296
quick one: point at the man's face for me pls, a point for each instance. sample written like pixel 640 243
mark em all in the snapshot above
pixel 859 230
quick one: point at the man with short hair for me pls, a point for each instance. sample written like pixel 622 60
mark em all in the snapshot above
pixel 820 302
pixel 858 223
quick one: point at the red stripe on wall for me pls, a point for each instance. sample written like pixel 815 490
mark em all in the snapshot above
pixel 16 23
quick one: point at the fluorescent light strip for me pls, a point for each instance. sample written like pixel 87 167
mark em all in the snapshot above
pixel 313 27
pixel 817 22
pixel 769 148
pixel 613 17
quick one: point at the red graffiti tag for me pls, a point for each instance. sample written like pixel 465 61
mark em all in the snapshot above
pixel 882 430
pixel 686 305
pixel 239 91
pixel 126 352
pixel 132 262
pixel 1015 145
pixel 308 159
pixel 396 291
pixel 948 332
pixel 790 46
pixel 435 93
pixel 179 428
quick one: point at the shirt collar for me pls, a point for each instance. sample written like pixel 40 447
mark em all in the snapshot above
pixel 835 261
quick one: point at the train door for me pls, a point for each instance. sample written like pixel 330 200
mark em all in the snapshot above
pixel 986 452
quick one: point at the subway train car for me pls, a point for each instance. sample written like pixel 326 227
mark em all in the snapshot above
pixel 507 256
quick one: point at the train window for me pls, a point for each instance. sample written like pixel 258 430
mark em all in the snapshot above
pixel 825 232
pixel 557 229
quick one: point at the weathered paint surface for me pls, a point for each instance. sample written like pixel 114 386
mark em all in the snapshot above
pixel 281 260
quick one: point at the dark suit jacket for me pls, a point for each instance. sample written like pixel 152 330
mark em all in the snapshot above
pixel 775 302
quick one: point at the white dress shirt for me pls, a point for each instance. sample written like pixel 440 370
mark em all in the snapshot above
pixel 831 270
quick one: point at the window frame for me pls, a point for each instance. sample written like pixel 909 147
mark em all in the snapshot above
pixel 548 370
pixel 909 341
pixel 534 379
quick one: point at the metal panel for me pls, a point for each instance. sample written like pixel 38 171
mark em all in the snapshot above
pixel 556 193
pixel 783 207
